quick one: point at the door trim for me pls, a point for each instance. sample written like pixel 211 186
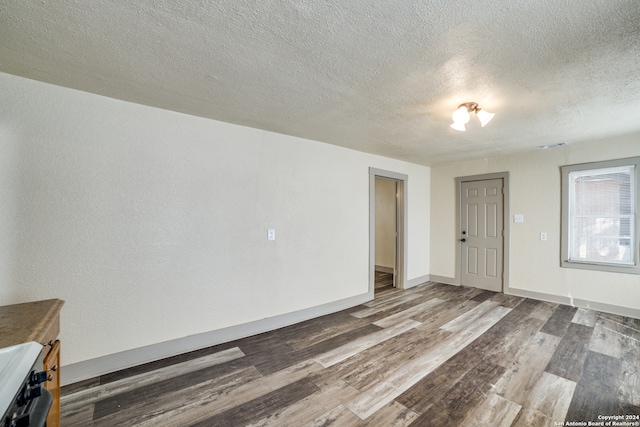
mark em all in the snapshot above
pixel 401 203
pixel 506 220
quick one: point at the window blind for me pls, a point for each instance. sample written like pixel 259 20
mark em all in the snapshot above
pixel 602 211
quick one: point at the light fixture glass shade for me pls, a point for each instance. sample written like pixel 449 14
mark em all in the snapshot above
pixel 461 115
pixel 484 116
pixel 459 126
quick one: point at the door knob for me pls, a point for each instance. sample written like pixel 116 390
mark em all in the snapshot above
pixel 463 240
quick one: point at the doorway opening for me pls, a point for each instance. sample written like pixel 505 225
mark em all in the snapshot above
pixel 386 244
pixel 387 230
pixel 483 231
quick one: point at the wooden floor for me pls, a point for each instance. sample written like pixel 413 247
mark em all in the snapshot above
pixel 434 355
pixel 383 281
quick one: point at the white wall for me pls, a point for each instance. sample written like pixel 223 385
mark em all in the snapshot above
pixel 535 193
pixel 385 222
pixel 151 225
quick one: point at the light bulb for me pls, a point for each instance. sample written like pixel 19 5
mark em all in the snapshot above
pixel 461 116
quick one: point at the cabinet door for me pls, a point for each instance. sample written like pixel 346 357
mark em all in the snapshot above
pixel 51 364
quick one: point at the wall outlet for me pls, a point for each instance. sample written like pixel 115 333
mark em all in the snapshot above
pixel 518 218
pixel 543 236
pixel 271 234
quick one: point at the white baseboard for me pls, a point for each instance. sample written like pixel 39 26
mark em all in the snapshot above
pixel 110 363
pixel 114 362
pixel 444 279
pixel 558 299
pixel 417 281
pixel 384 269
pixel 577 302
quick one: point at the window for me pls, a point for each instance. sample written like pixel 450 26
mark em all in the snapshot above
pixel 599 216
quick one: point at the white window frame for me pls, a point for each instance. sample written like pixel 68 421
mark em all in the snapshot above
pixel 633 268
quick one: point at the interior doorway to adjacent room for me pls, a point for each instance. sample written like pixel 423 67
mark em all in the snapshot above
pixel 387 231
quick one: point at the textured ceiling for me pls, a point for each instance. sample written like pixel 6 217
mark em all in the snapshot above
pixel 377 76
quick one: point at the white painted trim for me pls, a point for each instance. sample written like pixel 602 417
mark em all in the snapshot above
pixel 577 302
pixel 384 269
pixel 114 362
pixel 417 281
pixel 444 279
pixel 388 174
pixel 558 299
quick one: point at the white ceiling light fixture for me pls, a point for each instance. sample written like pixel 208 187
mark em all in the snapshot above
pixel 462 115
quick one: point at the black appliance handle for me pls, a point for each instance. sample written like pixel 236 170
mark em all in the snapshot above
pixel 40 409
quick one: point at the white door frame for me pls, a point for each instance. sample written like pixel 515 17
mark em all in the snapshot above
pixel 506 219
pixel 401 225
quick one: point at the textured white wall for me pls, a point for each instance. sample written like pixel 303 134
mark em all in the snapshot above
pixel 535 193
pixel 385 222
pixel 151 225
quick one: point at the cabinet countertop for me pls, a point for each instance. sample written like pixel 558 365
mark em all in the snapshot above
pixel 29 321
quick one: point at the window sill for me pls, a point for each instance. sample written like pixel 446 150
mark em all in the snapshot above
pixel 609 268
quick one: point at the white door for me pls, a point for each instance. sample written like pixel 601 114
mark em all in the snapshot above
pixel 481 237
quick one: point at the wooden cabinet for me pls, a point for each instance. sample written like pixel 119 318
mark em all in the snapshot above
pixel 51 364
pixel 37 321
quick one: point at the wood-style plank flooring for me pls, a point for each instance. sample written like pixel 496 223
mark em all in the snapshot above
pixel 383 281
pixel 433 355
